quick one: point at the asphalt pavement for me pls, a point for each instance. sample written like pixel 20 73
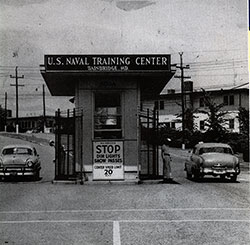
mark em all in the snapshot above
pixel 212 211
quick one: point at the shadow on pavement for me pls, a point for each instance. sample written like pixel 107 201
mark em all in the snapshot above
pixel 169 182
pixel 214 180
pixel 19 179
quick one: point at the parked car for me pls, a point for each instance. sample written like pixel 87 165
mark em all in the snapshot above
pixel 214 159
pixel 20 160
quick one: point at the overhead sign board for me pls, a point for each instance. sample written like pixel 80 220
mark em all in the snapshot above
pixel 108 160
pixel 107 63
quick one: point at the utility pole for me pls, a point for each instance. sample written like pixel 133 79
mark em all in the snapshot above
pixel 44 110
pixel 5 112
pixel 182 77
pixel 17 85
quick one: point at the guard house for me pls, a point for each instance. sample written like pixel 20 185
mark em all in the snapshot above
pixel 104 137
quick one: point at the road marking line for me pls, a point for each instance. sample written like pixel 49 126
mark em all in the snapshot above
pixel 116 233
pixel 183 221
pixel 123 221
pixel 121 210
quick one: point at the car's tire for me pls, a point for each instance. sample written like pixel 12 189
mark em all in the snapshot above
pixel 196 175
pixel 37 175
pixel 222 176
pixel 234 178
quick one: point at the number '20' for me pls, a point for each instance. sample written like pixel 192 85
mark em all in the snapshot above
pixel 108 172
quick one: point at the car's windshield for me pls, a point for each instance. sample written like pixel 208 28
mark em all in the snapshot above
pixel 215 149
pixel 17 150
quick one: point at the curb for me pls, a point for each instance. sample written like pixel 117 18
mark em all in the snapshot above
pixel 31 138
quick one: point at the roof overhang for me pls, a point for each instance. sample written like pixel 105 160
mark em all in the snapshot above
pixel 62 72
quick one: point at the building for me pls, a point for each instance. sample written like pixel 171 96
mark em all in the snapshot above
pixel 102 139
pixel 4 114
pixel 169 106
pixel 31 123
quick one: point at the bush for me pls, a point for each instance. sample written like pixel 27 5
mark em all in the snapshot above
pixel 238 142
pixel 176 136
pixel 246 155
pixel 173 134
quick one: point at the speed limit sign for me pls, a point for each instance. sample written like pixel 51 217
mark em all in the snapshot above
pixel 108 160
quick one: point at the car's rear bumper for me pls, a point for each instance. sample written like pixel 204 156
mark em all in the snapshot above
pixel 18 171
pixel 221 171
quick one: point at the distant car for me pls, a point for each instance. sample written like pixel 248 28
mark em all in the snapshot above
pixel 214 159
pixel 20 160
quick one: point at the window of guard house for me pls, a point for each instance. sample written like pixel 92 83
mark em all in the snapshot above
pixel 107 116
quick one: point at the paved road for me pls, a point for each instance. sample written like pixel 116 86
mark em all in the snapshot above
pixel 208 212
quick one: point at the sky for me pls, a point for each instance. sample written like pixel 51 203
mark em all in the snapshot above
pixel 212 35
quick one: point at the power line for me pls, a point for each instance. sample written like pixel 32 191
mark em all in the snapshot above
pixel 213 51
pixel 214 75
pixel 20 66
pixel 221 61
pixel 216 68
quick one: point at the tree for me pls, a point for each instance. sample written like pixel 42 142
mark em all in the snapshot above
pixel 189 116
pixel 243 117
pixel 244 129
pixel 216 120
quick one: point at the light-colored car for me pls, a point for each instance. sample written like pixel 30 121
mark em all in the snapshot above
pixel 19 160
pixel 214 159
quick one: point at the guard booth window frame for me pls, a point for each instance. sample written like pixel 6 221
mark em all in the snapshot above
pixel 107 115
